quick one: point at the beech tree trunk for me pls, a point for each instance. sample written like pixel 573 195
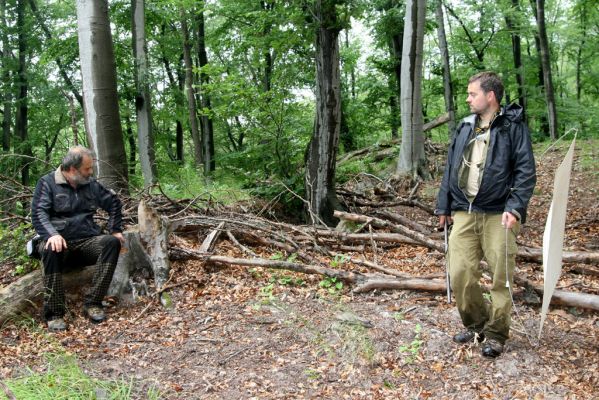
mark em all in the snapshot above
pixel 546 62
pixel 191 99
pixel 145 136
pixel 322 150
pixel 101 104
pixel 447 84
pixel 412 159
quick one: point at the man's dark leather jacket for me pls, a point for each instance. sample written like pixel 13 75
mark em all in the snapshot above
pixel 58 208
pixel 509 175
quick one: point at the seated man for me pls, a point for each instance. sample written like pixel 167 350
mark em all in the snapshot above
pixel 62 211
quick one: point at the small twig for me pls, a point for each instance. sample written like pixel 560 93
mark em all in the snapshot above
pixel 242 247
pixel 235 353
pixel 7 391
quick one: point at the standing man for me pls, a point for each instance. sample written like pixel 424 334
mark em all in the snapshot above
pixel 62 211
pixel 489 179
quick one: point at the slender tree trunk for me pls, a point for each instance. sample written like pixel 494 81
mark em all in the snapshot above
pixel 143 108
pixel 583 26
pixel 517 53
pixel 23 86
pixel 206 117
pixel 352 70
pixel 74 127
pixel 544 125
pixel 131 141
pixel 6 87
pixel 395 115
pixel 447 85
pixel 100 99
pixel 191 100
pixel 547 78
pixel 412 159
pixel 396 55
pixel 177 87
pixel 322 150
pixel 267 6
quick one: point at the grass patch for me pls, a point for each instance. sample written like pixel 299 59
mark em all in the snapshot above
pixel 64 379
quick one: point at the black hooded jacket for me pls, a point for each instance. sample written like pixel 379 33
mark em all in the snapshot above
pixel 58 208
pixel 509 175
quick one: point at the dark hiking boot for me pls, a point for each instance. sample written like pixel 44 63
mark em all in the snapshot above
pixel 492 348
pixel 469 336
pixel 95 314
pixel 57 325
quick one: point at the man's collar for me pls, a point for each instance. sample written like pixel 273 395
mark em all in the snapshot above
pixel 59 178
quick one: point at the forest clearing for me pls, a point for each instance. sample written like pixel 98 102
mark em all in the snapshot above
pixel 253 332
pixel 268 179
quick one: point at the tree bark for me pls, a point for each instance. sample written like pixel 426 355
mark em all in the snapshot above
pixel 447 84
pixel 191 99
pixel 412 159
pixel 6 81
pixel 206 113
pixel 101 105
pixel 21 120
pixel 143 108
pixel 546 62
pixel 322 150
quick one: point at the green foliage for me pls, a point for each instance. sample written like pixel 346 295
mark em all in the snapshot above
pixel 64 379
pixel 332 285
pixel 14 241
pixel 413 348
pixel 339 260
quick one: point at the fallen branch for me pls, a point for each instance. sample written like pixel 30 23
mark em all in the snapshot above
pixel 350 277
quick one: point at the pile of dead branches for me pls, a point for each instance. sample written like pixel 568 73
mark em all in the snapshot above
pixel 312 247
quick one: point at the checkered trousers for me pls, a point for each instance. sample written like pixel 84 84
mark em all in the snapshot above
pixel 103 251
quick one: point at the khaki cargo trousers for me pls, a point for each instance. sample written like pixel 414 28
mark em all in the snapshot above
pixel 476 236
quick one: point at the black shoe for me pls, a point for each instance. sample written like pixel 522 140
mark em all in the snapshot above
pixel 469 336
pixel 492 348
pixel 95 314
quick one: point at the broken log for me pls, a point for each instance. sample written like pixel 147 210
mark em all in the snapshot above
pixel 560 297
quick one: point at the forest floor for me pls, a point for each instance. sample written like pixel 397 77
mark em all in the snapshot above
pixel 241 332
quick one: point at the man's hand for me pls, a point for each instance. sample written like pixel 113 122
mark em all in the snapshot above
pixel 443 219
pixel 508 220
pixel 120 237
pixel 56 243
